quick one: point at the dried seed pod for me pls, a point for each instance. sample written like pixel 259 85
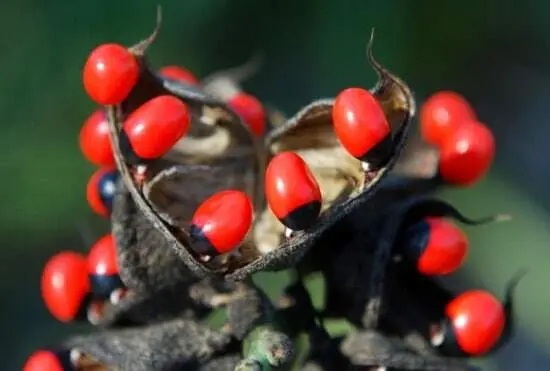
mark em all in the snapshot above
pixel 247 308
pixel 369 348
pixel 166 346
pixel 410 210
pixel 221 363
pixel 211 119
pixel 147 261
pixel 345 186
pixel 162 305
pixel 398 104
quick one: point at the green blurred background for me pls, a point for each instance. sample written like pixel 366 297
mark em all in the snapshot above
pixel 496 53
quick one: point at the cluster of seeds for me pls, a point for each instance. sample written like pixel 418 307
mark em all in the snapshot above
pixel 145 116
pixel 76 287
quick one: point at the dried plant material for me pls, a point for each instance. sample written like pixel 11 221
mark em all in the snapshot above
pixel 346 185
pixel 368 348
pixel 166 346
pixel 177 277
pixel 154 306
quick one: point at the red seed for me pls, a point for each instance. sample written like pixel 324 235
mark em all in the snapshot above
pixel 466 155
pixel 442 114
pixel 251 111
pixel 102 258
pixel 478 320
pixel 154 127
pixel 179 74
pixel 292 192
pixel 361 125
pixel 65 285
pixel 100 191
pixel 110 74
pixel 94 140
pixel 43 360
pixel 446 248
pixel 223 220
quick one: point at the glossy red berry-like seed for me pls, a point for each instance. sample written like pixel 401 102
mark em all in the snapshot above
pixel 102 258
pixel 110 74
pixel 467 154
pixel 154 127
pixel 94 140
pixel 100 191
pixel 251 111
pixel 438 246
pixel 179 74
pixel 65 285
pixel 103 268
pixel 292 192
pixel 477 319
pixel 361 126
pixel 442 114
pixel 44 360
pixel 221 222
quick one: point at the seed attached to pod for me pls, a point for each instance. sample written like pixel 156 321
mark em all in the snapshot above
pixel 442 114
pixel 103 269
pixel 179 74
pixel 474 322
pixel 221 223
pixel 94 140
pixel 110 74
pixel 48 360
pixel 467 154
pixel 362 127
pixel 436 245
pixel 100 191
pixel 292 192
pixel 65 286
pixel 153 128
pixel 251 111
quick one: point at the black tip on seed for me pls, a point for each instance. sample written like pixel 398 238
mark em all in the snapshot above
pixel 104 285
pixel 380 154
pixel 200 243
pixel 107 187
pixel 303 217
pixel 415 239
pixel 130 156
pixel 450 346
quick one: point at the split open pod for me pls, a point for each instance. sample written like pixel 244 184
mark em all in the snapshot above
pixel 161 199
